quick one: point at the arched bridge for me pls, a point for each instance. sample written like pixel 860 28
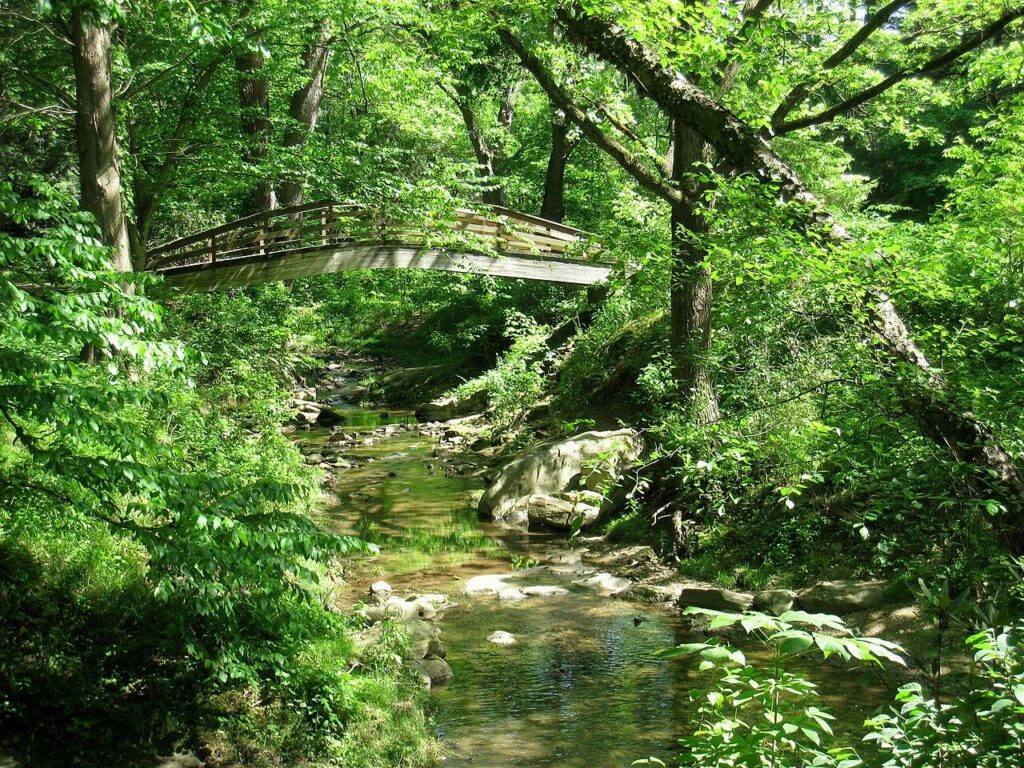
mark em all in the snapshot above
pixel 324 237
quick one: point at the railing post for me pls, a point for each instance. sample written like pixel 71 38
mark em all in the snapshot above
pixel 213 249
pixel 263 235
pixel 325 215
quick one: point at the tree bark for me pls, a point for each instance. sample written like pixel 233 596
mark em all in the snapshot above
pixel 99 170
pixel 690 287
pixel 553 204
pixel 254 101
pixel 305 109
pixel 552 207
pixel 494 193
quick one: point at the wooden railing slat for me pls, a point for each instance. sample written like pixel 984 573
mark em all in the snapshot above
pixel 323 224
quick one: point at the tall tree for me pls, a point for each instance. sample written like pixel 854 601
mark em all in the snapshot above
pixel 254 102
pixel 99 168
pixel 304 109
pixel 552 205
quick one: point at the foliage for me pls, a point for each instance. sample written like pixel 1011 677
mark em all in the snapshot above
pixel 516 381
pixel 770 716
pixel 983 728
pixel 165 454
pixel 765 713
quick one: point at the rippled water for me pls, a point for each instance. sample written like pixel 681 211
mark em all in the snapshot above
pixel 581 687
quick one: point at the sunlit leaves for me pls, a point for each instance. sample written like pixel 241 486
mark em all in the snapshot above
pixel 218 499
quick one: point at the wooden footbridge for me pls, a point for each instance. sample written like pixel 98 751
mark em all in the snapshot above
pixel 320 238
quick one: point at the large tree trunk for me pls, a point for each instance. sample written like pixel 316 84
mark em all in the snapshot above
pixel 254 100
pixel 99 170
pixel 305 109
pixel 494 193
pixel 922 387
pixel 553 205
pixel 691 289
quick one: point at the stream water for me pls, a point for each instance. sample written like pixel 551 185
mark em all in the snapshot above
pixel 581 687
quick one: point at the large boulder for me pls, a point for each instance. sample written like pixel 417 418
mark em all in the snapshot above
pixel 842 597
pixel 715 598
pixel 559 514
pixel 433 671
pixel 590 460
pixel 775 601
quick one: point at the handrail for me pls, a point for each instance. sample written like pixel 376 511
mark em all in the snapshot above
pixel 270 234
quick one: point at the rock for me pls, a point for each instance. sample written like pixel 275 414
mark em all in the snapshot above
pixel 715 598
pixel 314 458
pixel 437 670
pixel 397 608
pixel 184 760
pixel 306 418
pixel 511 594
pixel 605 583
pixel 328 417
pixel 307 394
pixel 380 590
pixel 433 598
pixel 554 466
pixel 654 593
pixel 346 392
pixel 487 584
pixel 558 513
pixel 841 597
pixel 775 601
pixel 544 591
pixel 306 406
pixel 424 640
pixel 501 638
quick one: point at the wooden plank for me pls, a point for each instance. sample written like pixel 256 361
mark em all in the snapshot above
pixel 250 271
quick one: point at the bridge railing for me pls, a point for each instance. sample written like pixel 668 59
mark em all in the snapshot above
pixel 323 225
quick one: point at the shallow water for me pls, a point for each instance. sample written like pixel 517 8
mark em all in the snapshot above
pixel 582 686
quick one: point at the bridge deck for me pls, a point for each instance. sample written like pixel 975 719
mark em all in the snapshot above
pixel 324 237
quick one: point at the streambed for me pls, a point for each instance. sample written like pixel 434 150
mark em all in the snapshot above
pixel 581 686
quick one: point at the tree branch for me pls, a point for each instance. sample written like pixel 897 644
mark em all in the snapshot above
pixel 648 179
pixel 796 96
pixel 969 43
pixel 752 12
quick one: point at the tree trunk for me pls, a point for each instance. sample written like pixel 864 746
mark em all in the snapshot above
pixel 254 100
pixel 690 287
pixel 494 194
pixel 305 109
pixel 99 171
pixel 553 205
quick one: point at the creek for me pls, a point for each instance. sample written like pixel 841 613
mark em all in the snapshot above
pixel 581 688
